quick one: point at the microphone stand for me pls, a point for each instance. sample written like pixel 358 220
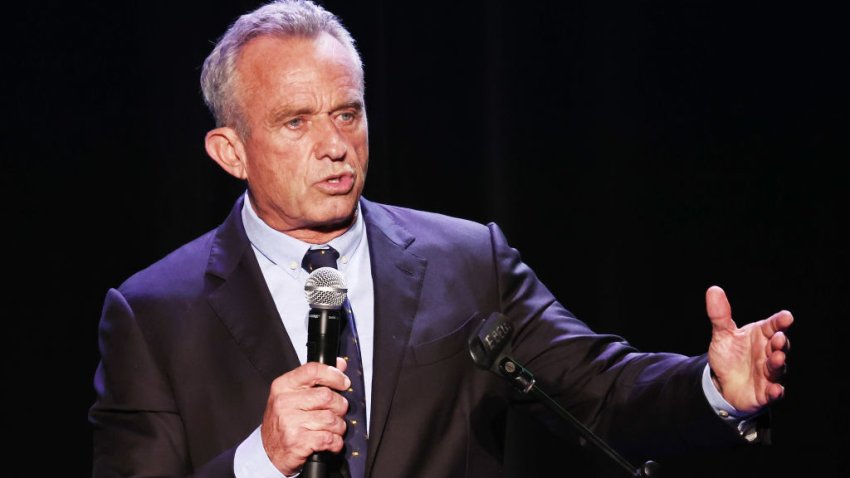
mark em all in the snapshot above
pixel 523 380
pixel 488 347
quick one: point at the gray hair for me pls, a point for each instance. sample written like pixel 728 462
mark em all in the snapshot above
pixel 286 18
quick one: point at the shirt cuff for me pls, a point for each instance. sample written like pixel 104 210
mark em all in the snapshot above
pixel 742 422
pixel 251 461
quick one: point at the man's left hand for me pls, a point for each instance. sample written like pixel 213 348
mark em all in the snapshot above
pixel 747 363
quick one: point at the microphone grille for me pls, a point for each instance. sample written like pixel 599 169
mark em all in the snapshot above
pixel 325 288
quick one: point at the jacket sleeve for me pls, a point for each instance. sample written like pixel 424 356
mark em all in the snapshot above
pixel 644 404
pixel 137 428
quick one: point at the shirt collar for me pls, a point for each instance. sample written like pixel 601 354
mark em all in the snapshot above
pixel 287 252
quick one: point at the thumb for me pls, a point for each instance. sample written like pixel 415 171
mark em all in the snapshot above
pixel 718 309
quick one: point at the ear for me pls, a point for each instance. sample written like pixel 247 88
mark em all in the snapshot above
pixel 225 148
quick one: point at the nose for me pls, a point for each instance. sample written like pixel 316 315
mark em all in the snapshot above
pixel 329 141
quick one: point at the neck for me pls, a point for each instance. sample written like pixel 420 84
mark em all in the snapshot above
pixel 311 234
pixel 321 234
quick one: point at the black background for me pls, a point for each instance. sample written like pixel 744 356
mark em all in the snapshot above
pixel 659 147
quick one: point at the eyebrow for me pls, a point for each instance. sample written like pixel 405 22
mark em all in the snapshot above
pixel 350 105
pixel 280 115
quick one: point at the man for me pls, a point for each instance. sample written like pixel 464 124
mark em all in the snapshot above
pixel 203 367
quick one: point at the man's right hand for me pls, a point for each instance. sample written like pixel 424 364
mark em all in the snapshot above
pixel 304 415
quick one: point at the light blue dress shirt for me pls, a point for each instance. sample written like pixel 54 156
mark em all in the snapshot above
pixel 279 257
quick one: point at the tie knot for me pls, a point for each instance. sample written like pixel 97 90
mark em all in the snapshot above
pixel 316 258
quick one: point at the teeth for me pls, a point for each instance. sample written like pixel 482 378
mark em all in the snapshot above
pixel 334 180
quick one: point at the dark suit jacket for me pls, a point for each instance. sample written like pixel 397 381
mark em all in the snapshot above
pixel 191 344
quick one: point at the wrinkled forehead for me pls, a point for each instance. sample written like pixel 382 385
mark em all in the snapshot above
pixel 277 76
pixel 282 52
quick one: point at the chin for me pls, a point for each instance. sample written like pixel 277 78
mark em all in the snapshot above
pixel 338 215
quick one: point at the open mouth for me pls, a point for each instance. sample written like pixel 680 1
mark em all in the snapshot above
pixel 341 184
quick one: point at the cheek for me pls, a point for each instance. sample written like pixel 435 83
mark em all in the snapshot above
pixel 360 142
pixel 291 181
pixel 364 159
pixel 278 175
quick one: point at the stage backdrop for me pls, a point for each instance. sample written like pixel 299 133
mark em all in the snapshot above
pixel 661 147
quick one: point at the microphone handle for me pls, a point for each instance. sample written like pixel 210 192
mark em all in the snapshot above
pixel 322 347
pixel 323 336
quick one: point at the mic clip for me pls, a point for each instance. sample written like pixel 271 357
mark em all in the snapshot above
pixel 520 376
pixel 489 347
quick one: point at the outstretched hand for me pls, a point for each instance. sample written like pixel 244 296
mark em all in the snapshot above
pixel 747 363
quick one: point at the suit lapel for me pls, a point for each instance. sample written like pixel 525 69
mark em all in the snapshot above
pixel 247 309
pixel 244 303
pixel 397 276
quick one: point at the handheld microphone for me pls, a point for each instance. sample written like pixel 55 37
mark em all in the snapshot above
pixel 325 291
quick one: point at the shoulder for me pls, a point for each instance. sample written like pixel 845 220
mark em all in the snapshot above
pixel 179 273
pixel 192 269
pixel 442 240
pixel 426 226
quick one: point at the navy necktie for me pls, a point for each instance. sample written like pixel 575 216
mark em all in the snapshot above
pixel 356 437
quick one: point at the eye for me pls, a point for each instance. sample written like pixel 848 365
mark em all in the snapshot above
pixel 347 117
pixel 295 123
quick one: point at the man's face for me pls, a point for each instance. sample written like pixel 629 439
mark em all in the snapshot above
pixel 307 151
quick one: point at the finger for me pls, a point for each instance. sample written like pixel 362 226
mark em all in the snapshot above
pixel 780 341
pixel 718 309
pixel 307 442
pixel 316 398
pixel 290 435
pixel 781 320
pixel 312 374
pixel 776 365
pixel 324 420
pixel 341 364
pixel 775 391
pixel 326 441
pixel 288 442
